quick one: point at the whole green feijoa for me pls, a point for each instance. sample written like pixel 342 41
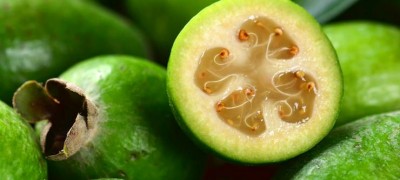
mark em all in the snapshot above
pixel 41 38
pixel 161 21
pixel 260 85
pixel 367 148
pixel 109 118
pixel 370 59
pixel 20 155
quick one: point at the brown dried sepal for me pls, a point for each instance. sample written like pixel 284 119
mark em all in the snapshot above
pixel 71 116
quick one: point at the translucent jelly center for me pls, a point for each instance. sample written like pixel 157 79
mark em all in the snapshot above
pixel 243 88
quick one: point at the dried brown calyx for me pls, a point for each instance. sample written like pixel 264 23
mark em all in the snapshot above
pixel 71 116
pixel 244 88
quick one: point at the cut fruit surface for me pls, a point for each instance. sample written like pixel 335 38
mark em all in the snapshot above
pixel 260 85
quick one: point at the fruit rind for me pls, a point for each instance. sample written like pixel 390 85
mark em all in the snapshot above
pixel 40 39
pixel 369 57
pixel 135 128
pixel 193 109
pixel 20 152
pixel 365 148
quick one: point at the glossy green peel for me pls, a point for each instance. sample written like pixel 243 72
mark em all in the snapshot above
pixel 363 149
pixel 39 39
pixel 111 119
pixel 20 152
pixel 260 85
pixel 370 59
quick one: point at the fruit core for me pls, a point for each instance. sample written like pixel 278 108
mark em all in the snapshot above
pixel 245 89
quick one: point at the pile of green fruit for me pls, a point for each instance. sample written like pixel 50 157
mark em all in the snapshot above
pixel 229 89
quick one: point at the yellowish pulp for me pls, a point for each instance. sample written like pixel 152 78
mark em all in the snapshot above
pixel 247 85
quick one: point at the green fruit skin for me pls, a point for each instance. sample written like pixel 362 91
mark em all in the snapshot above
pixel 370 59
pixel 136 136
pixel 163 20
pixel 364 149
pixel 39 39
pixel 20 155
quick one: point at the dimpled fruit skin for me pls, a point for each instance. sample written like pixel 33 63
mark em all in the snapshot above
pixel 370 59
pixel 20 152
pixel 41 38
pixel 136 136
pixel 363 149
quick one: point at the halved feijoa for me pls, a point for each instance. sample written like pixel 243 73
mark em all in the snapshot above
pixel 254 81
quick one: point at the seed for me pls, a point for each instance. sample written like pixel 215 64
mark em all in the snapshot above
pixel 310 86
pixel 243 35
pixel 220 106
pixel 249 92
pixel 294 50
pixel 254 127
pixel 224 53
pixel 278 31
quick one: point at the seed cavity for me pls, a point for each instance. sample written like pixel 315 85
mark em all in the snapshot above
pixel 241 87
pixel 237 111
pixel 263 33
pixel 213 73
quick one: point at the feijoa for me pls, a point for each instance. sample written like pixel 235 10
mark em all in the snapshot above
pixel 367 148
pixel 39 39
pixel 370 59
pixel 20 154
pixel 108 117
pixel 254 81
